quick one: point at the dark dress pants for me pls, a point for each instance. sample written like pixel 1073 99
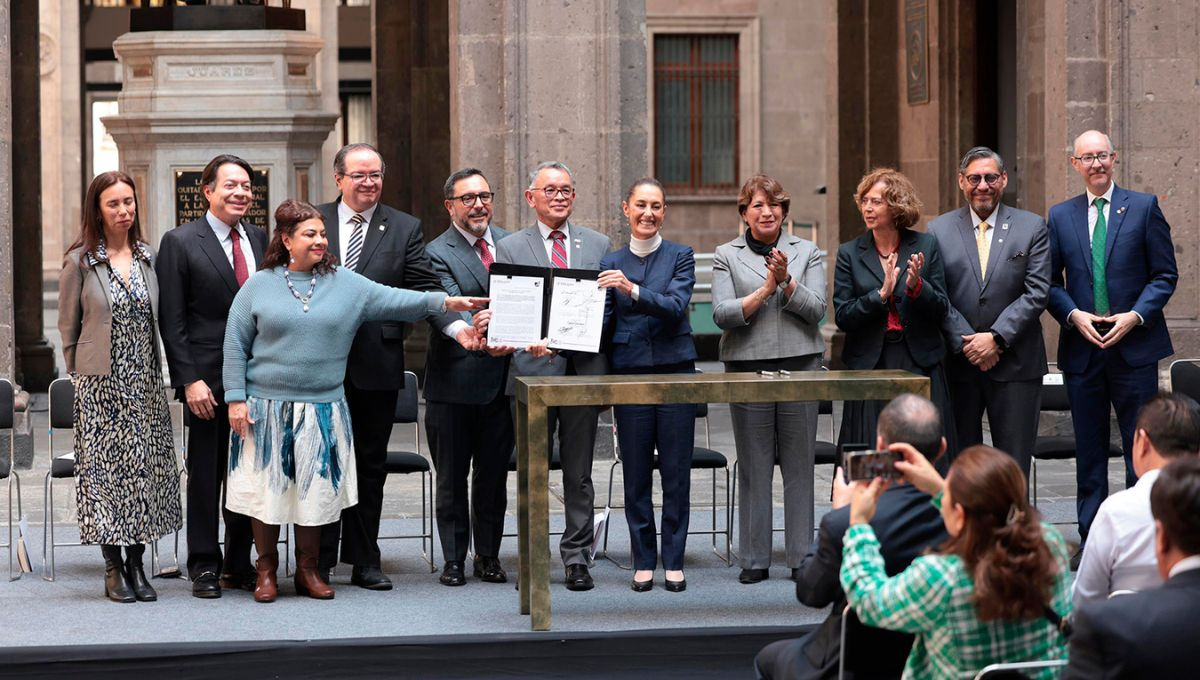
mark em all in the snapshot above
pixel 671 428
pixel 1107 379
pixel 207 463
pixel 1012 409
pixel 371 416
pixel 462 435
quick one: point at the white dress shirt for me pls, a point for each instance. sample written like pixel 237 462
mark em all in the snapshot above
pixel 222 230
pixel 1186 564
pixel 346 227
pixel 1092 218
pixel 549 242
pixel 1119 554
pixel 452 329
pixel 990 219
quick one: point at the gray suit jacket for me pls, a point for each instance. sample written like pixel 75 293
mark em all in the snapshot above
pixel 526 247
pixel 85 313
pixel 778 329
pixel 1010 301
pixel 452 374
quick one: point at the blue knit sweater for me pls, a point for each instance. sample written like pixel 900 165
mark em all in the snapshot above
pixel 276 350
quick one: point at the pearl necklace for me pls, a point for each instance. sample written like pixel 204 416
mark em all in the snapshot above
pixel 312 286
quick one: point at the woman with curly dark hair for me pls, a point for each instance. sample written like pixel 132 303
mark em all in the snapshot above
pixel 291 454
pixel 995 592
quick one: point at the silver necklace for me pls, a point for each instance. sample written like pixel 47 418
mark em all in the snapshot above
pixel 312 286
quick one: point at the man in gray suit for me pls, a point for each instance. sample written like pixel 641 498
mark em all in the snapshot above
pixel 466 411
pixel 997 262
pixel 555 242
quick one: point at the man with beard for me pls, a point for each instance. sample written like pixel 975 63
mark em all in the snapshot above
pixel 466 411
pixel 997 261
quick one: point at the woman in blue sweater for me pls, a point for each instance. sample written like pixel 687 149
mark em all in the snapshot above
pixel 291 456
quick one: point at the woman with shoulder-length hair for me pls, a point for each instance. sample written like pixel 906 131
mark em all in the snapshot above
pixel 291 453
pixel 889 296
pixel 768 292
pixel 127 485
pixel 995 592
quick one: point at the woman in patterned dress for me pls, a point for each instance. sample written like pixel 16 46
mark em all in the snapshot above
pixel 291 454
pixel 126 481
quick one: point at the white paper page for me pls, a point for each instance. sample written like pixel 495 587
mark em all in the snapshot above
pixel 516 304
pixel 576 315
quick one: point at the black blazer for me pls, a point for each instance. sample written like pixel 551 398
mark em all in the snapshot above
pixel 862 313
pixel 907 525
pixel 196 286
pixel 1151 634
pixel 393 254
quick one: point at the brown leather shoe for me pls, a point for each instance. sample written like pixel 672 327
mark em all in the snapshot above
pixel 308 579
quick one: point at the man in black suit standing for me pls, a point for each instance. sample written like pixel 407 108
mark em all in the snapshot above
pixel 384 245
pixel 997 262
pixel 909 525
pixel 466 411
pixel 1151 634
pixel 201 265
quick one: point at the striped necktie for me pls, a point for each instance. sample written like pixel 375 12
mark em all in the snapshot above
pixel 354 247
pixel 558 251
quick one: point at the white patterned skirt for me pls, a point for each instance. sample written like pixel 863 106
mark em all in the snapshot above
pixel 297 465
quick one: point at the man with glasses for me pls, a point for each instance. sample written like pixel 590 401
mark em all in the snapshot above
pixel 384 245
pixel 1112 272
pixel 555 242
pixel 997 261
pixel 466 411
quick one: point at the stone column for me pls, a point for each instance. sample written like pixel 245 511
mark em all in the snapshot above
pixel 35 356
pixel 7 332
pixel 521 94
pixel 62 130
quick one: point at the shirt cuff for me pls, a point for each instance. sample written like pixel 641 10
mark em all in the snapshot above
pixel 1141 321
pixel 1068 323
pixel 635 293
pixel 452 329
pixel 915 293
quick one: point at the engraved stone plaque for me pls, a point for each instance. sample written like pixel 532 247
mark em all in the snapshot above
pixel 190 204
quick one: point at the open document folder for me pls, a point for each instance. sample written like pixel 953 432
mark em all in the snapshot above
pixel 529 304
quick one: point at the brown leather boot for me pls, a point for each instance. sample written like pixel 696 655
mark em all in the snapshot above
pixel 308 580
pixel 266 539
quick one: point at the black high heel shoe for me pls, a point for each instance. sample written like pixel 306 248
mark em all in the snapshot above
pixel 642 586
pixel 676 586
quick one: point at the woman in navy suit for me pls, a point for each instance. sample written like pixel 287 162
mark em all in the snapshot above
pixel 889 296
pixel 650 284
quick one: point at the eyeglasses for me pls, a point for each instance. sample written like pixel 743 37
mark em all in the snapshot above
pixel 469 199
pixel 1088 158
pixel 974 180
pixel 360 177
pixel 554 192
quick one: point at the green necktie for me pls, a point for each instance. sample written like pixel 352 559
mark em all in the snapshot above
pixel 1099 280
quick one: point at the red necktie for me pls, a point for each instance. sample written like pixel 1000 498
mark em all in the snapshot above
pixel 558 253
pixel 240 272
pixel 484 254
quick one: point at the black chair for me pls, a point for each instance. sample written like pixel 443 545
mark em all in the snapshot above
pixel 409 462
pixel 8 470
pixel 1047 448
pixel 1011 671
pixel 1185 377
pixel 62 417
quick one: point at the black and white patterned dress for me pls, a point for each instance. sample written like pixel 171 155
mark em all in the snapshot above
pixel 127 483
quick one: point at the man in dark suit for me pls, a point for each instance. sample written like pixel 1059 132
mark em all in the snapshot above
pixel 1112 271
pixel 997 262
pixel 1151 634
pixel 201 265
pixel 909 525
pixel 466 411
pixel 384 245
pixel 556 242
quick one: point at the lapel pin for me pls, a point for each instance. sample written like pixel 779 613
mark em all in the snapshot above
pixel 1000 240
pixel 381 227
pixel 1004 226
pixel 1121 210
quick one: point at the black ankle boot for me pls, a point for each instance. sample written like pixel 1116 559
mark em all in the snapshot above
pixel 115 587
pixel 136 575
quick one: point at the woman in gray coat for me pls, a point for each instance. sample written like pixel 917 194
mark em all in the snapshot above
pixel 769 298
pixel 127 485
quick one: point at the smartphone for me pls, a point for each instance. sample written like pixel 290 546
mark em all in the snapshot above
pixel 1103 327
pixel 867 465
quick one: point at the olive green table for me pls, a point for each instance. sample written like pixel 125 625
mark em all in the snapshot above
pixel 535 394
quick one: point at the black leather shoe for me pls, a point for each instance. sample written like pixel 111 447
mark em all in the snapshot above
pixel 370 578
pixel 753 575
pixel 642 586
pixel 206 585
pixel 676 586
pixel 489 569
pixel 453 574
pixel 324 574
pixel 239 581
pixel 578 577
pixel 796 575
pixel 1076 558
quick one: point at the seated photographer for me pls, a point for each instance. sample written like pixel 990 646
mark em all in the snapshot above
pixel 993 593
pixel 907 525
pixel 1151 634
pixel 1120 547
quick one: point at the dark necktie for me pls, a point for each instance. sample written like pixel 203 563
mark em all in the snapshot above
pixel 354 247
pixel 558 252
pixel 240 271
pixel 484 254
pixel 1099 276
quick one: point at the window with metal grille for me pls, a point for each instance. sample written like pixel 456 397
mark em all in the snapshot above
pixel 696 112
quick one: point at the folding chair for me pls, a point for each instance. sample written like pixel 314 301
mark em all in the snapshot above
pixel 8 470
pixel 174 571
pixel 1054 399
pixel 1185 377
pixel 408 462
pixel 62 417
pixel 1015 669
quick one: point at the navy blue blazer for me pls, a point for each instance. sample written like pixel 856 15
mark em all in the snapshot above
pixel 653 330
pixel 1140 269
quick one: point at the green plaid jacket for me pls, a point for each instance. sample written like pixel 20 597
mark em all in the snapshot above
pixel 932 600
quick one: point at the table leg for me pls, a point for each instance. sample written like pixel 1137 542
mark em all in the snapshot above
pixel 538 513
pixel 523 582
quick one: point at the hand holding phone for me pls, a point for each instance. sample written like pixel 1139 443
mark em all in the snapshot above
pixel 867 465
